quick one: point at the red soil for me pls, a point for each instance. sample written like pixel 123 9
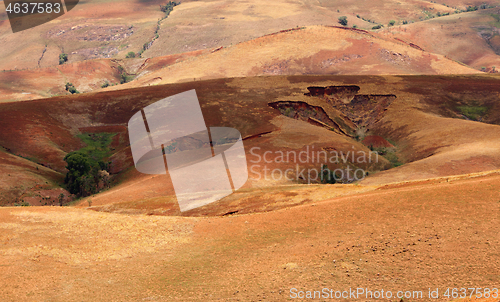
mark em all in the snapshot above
pixel 376 141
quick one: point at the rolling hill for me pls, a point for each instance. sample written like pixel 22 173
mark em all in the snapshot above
pixel 440 126
pixel 472 38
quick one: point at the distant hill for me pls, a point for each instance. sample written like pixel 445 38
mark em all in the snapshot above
pixel 472 38
pixel 310 50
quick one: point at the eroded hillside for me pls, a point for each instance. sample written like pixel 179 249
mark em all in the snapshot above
pixel 426 127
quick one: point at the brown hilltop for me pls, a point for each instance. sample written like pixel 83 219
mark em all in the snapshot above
pixel 311 50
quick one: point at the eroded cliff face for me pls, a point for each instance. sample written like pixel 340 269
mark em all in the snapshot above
pixel 347 112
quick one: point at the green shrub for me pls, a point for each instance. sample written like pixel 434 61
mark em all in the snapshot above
pixel 125 78
pixel 63 58
pixel 131 54
pixel 377 26
pixel 106 84
pixel 343 20
pixel 392 22
pixel 71 88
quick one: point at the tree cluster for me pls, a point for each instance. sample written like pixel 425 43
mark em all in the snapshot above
pixel 85 176
pixel 63 58
pixel 71 88
pixel 168 7
pixel 343 20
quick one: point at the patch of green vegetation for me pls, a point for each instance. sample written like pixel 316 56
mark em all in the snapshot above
pixel 389 154
pixel 496 23
pixel 471 8
pixel 343 20
pixel 97 145
pixel 377 26
pixel 169 7
pixel 393 159
pixel 130 54
pixel 87 167
pixel 63 58
pixel 473 112
pixel 125 78
pixel 391 141
pixel 71 88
